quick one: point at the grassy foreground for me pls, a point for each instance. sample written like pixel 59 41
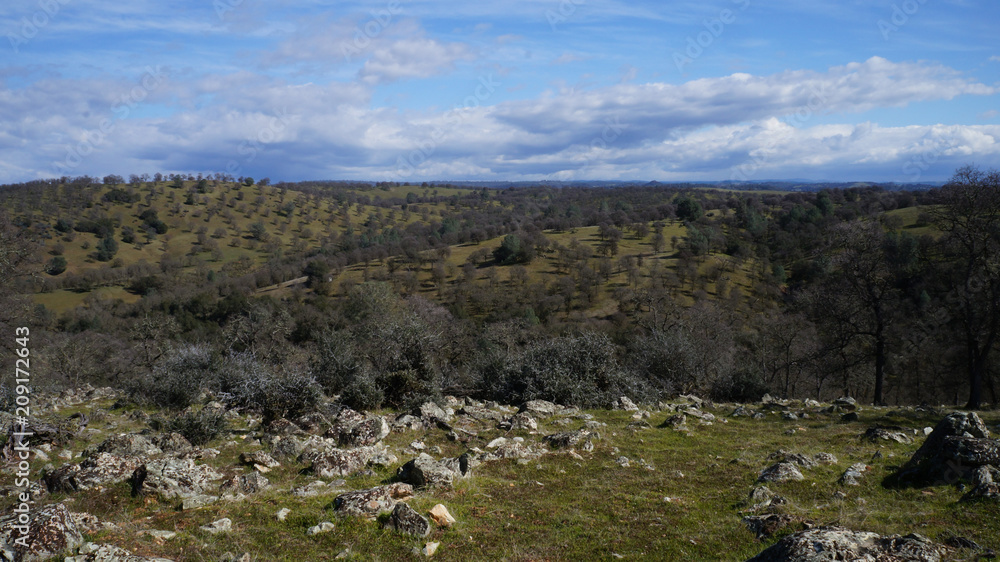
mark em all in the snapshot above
pixel 681 497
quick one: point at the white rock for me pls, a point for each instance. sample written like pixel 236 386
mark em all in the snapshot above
pixel 430 549
pixel 283 513
pixel 324 527
pixel 221 526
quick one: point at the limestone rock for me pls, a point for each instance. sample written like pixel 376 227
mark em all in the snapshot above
pixel 985 484
pixel 352 429
pixel 369 503
pixel 98 470
pixel 523 421
pixel 572 439
pixel 958 445
pixel 676 421
pixel 440 515
pixel 51 530
pixel 282 514
pixel 244 485
pixel 825 458
pixel 846 404
pixel 129 445
pixel 172 443
pixel 91 552
pixel 173 478
pixel 763 526
pixel 346 462
pixel 323 527
pixel 259 458
pixel 623 403
pixel 425 472
pixel 431 413
pixel 780 472
pixel 540 408
pixel 406 520
pixel 887 433
pixel 223 525
pixel 835 543
pixel 853 474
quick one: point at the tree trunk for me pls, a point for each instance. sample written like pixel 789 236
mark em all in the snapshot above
pixel 977 374
pixel 880 361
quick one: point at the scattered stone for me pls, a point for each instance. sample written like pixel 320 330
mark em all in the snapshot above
pixel 482 414
pixel 369 503
pixel 346 462
pixel 282 514
pixel 846 404
pixel 540 408
pixel 623 403
pixel 676 421
pixel 583 438
pixel 98 470
pixel 431 413
pixel 243 485
pixel 780 472
pixel 317 488
pixel 888 433
pixel 789 416
pixel 50 531
pixel 764 526
pixel 425 472
pixel 223 525
pixel 622 462
pixel 741 411
pixel 258 460
pixel 440 515
pixel 853 474
pixel 825 458
pixel 159 535
pixel 91 552
pixel 985 484
pixel 850 417
pixel 173 478
pixel 407 422
pixel 523 421
pixel 406 520
pixel 836 543
pixel 323 527
pixel 430 548
pixel 172 443
pixel 200 500
pixel 352 429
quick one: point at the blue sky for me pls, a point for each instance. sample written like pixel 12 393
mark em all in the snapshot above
pixel 413 90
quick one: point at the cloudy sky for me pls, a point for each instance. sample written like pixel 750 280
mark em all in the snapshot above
pixel 884 90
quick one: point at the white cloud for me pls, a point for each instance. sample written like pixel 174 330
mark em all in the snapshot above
pixel 412 58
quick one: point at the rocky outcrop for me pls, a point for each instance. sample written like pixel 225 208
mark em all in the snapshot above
pixel 959 444
pixel 243 485
pixel 985 484
pixel 888 433
pixel 369 503
pixel 581 438
pixel 853 475
pixel 406 520
pixel 824 544
pixel 129 445
pixel 340 462
pixel 49 531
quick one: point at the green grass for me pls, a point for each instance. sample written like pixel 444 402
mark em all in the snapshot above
pixel 563 508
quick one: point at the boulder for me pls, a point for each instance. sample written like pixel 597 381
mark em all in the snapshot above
pixel 523 421
pixel 128 445
pixel 741 411
pixel 676 421
pixel 50 531
pixel 540 408
pixel 173 478
pixel 623 403
pixel 223 525
pixel 763 526
pixel 959 444
pixel 824 544
pixel 339 462
pixel 825 458
pixel 887 433
pixel 370 503
pixel 985 484
pixel 431 413
pixel 259 459
pixel 91 552
pixel 583 438
pixel 172 443
pixel 780 472
pixel 406 520
pixel 846 404
pixel 425 472
pixel 352 429
pixel 482 414
pixel 244 485
pixel 98 470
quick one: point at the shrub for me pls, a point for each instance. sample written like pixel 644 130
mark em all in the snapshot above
pixel 743 386
pixel 177 378
pixel 252 385
pixel 199 427
pixel 56 265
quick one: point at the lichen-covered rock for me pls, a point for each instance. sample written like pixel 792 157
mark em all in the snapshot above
pixel 172 443
pixel 369 503
pixel 624 403
pixel 582 438
pixel 352 429
pixel 676 421
pixel 523 421
pixel 128 445
pixel 244 485
pixel 173 478
pixel 985 484
pixel 482 414
pixel 49 531
pixel 780 472
pixel 958 445
pixel 540 408
pixel 846 404
pixel 259 459
pixel 338 462
pixel 887 433
pixel 406 520
pixel 98 470
pixel 223 525
pixel 825 458
pixel 431 413
pixel 824 544
pixel 425 472
pixel 91 552
pixel 854 474
pixel 763 526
